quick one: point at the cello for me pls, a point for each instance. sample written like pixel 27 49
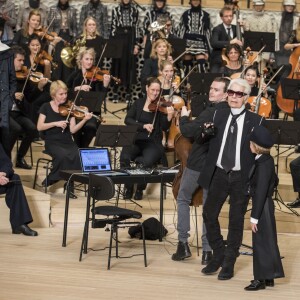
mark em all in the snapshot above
pixel 183 147
pixel 288 105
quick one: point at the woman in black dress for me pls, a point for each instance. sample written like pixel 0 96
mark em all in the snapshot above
pixel 85 60
pixel 57 133
pixel 234 65
pixel 266 257
pixel 148 148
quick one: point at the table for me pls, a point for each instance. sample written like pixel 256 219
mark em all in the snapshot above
pixel 76 175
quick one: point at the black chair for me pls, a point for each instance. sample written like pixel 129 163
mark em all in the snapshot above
pixel 102 189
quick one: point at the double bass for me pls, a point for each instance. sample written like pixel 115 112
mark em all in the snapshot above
pixel 183 147
pixel 288 105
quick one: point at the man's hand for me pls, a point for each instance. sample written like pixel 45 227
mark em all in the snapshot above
pixel 254 227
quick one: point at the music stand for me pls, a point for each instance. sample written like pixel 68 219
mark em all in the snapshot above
pixel 256 40
pixel 178 46
pixel 283 133
pixel 92 100
pixel 116 136
pixel 291 90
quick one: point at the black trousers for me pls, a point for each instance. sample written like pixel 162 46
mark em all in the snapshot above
pixel 84 136
pixel 295 171
pixel 20 124
pixel 222 186
pixel 16 201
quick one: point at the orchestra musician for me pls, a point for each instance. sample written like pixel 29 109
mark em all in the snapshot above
pixel 158 10
pixel 22 35
pixel 57 133
pixel 234 65
pixel 251 76
pixel 147 148
pixel 222 36
pixel 194 27
pixel 98 11
pixel 161 50
pixel 85 61
pixel 169 82
pixel 93 38
pixel 25 10
pixel 225 173
pixel 195 163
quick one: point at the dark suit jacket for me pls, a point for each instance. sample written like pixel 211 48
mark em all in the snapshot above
pixel 219 40
pixel 246 156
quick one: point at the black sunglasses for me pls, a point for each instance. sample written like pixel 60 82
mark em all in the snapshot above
pixel 238 94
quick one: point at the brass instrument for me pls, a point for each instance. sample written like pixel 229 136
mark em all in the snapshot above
pixel 157 31
pixel 68 54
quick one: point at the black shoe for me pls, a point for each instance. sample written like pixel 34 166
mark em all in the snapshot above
pixel 215 263
pixel 269 282
pixel 255 285
pixel 226 272
pixel 21 163
pixel 206 257
pixel 128 193
pixel 25 229
pixel 138 195
pixel 294 204
pixel 183 251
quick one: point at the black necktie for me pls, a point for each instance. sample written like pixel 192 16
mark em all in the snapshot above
pixel 229 32
pixel 228 157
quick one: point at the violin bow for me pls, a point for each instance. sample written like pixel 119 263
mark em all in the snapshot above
pixel 157 105
pixel 183 80
pixel 180 55
pixel 98 63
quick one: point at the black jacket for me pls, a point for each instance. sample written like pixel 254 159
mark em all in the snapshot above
pixel 188 129
pixel 246 156
pixel 5 163
pixel 8 85
pixel 219 40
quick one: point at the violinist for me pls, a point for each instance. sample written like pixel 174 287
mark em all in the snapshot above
pixel 161 50
pixel 85 61
pixel 21 37
pixel 57 133
pixel 195 164
pixel 168 80
pixel 26 8
pixel 222 36
pixel 20 123
pixel 63 19
pixel 252 76
pixel 147 148
pixel 234 53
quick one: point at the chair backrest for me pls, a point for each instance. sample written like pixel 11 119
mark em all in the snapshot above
pixel 101 187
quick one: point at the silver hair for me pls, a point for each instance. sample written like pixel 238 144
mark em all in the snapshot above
pixel 241 82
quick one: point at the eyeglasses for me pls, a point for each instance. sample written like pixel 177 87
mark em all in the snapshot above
pixel 238 94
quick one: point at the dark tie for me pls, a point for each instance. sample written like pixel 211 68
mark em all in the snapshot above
pixel 229 32
pixel 228 157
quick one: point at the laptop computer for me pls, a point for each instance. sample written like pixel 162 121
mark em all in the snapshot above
pixel 97 161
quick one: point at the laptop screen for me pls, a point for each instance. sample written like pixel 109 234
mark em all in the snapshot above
pixel 94 160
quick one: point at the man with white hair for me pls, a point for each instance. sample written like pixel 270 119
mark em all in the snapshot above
pixel 225 173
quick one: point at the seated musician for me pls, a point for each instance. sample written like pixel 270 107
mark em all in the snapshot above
pixel 234 65
pixel 85 61
pixel 161 50
pixel 252 75
pixel 167 77
pixel 147 149
pixel 57 132
pixel 11 186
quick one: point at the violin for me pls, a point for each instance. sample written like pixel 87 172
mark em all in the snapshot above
pixel 95 73
pixel 37 76
pixel 75 111
pixel 50 36
pixel 161 105
pixel 40 59
pixel 22 74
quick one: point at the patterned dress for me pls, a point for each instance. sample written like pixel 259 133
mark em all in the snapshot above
pixel 194 27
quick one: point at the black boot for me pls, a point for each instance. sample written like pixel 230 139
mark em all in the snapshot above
pixel 21 163
pixel 183 251
pixel 206 257
pixel 215 263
